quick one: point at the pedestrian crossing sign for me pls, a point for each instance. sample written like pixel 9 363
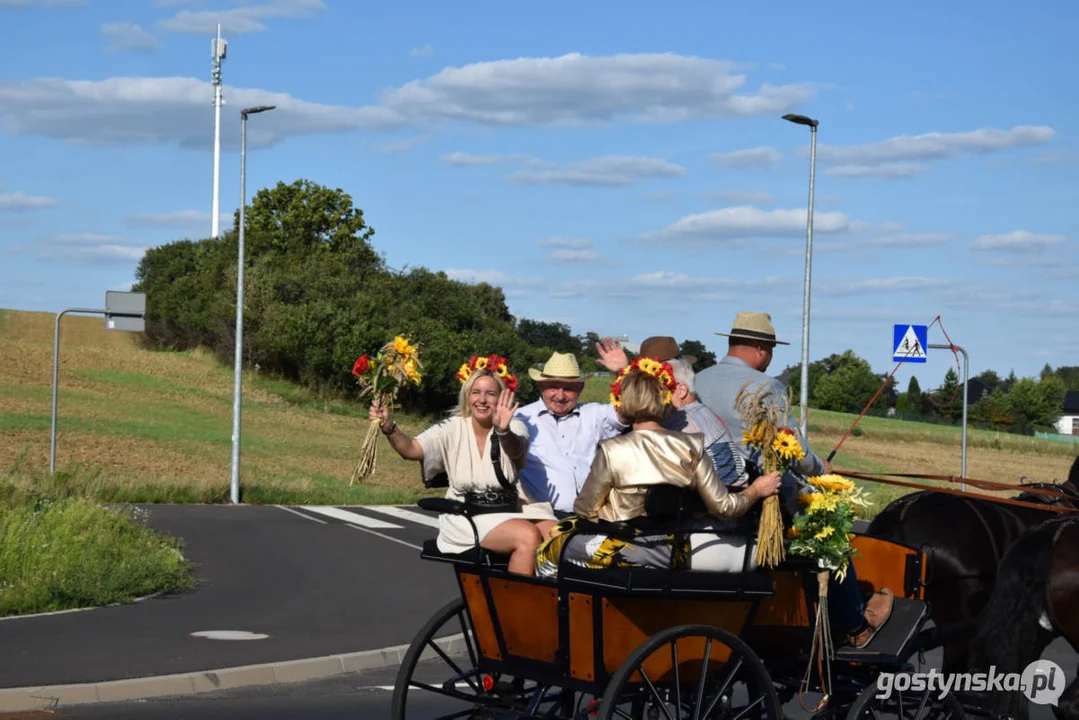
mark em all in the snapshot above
pixel 909 343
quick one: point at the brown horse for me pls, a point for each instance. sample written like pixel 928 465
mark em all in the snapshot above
pixel 1035 601
pixel 965 538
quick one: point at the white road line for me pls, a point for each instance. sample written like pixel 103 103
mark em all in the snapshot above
pixel 350 517
pixel 386 537
pixel 403 514
pixel 295 512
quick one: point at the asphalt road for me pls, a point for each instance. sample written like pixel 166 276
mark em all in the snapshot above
pixel 362 695
pixel 315 582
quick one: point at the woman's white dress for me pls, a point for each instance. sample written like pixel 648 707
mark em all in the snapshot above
pixel 450 446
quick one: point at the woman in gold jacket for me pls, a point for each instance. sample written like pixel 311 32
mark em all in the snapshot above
pixel 626 466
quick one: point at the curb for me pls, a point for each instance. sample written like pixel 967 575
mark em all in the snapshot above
pixel 46 697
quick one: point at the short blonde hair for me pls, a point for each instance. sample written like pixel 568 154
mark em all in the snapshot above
pixel 642 398
pixel 463 408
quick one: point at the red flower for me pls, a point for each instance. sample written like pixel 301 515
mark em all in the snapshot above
pixel 362 365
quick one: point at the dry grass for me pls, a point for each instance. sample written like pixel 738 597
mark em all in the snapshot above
pixel 157 426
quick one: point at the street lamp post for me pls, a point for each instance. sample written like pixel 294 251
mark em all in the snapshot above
pixel 235 489
pixel 804 399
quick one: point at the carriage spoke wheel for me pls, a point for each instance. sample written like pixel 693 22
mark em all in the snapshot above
pixel 691 672
pixel 433 683
pixel 905 705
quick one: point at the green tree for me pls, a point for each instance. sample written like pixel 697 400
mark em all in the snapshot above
pixel 913 401
pixel 848 385
pixel 1035 404
pixel 705 358
pixel 555 337
pixel 947 400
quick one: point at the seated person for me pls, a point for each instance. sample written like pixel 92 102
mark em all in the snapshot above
pixel 481 447
pixel 625 467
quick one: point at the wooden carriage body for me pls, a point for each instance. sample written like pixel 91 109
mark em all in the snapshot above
pixel 576 631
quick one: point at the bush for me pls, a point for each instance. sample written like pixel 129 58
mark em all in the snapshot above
pixel 58 553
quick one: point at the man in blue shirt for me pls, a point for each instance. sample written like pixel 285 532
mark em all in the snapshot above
pixel 563 434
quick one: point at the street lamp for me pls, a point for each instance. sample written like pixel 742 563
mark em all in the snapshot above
pixel 804 399
pixel 240 303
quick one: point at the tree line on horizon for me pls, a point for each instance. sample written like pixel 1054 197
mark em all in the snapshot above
pixel 318 295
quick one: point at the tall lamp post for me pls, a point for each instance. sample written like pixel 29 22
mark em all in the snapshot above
pixel 804 399
pixel 235 490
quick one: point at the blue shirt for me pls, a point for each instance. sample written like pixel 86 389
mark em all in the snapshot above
pixel 718 386
pixel 560 450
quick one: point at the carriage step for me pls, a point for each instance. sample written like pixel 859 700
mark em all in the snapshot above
pixel 894 642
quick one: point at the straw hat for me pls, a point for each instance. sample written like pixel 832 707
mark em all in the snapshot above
pixel 561 366
pixel 664 348
pixel 754 326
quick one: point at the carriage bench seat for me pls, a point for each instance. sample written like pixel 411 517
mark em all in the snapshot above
pixel 487 558
pixel 682 583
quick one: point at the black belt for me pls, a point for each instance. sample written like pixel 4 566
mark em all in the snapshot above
pixel 491 501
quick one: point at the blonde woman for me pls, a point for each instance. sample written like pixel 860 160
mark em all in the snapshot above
pixel 626 466
pixel 481 448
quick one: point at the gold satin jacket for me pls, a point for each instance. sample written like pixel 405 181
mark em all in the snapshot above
pixel 625 467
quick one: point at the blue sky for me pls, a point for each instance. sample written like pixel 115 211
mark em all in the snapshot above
pixel 620 167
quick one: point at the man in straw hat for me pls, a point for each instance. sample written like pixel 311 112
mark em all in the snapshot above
pixel 752 341
pixel 750 347
pixel 564 434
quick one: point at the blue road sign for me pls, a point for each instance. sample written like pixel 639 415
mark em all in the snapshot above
pixel 909 343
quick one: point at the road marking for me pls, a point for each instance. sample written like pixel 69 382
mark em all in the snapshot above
pixel 403 514
pixel 296 512
pixel 350 517
pixel 387 537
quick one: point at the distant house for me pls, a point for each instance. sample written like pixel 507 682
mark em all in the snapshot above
pixel 1068 424
pixel 977 390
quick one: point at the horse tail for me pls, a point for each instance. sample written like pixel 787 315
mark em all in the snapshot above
pixel 1008 635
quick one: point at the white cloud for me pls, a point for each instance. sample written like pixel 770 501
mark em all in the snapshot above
pixel 568 90
pixel 572 250
pixel 613 170
pixel 749 222
pixel 1019 240
pixel 746 197
pixel 188 219
pixel 670 287
pixel 143 111
pixel 128 37
pixel 395 147
pixel 468 159
pixel 421 51
pixel 574 89
pixel 753 157
pixel 245 19
pixel 884 170
pixel 17 201
pixel 896 153
pixel 90 248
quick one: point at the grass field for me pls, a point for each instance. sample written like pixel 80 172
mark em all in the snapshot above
pixel 156 427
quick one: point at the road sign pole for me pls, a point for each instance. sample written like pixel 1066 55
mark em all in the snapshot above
pixel 966 378
pixel 123 311
pixel 56 377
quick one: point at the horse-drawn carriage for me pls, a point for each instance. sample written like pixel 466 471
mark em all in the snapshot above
pixel 648 643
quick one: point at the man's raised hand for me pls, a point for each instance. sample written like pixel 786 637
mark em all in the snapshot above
pixel 611 354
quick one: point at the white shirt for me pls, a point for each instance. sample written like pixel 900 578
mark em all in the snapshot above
pixel 560 450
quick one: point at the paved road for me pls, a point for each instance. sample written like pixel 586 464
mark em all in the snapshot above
pixel 361 695
pixel 317 581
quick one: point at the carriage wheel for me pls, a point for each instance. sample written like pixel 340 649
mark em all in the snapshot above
pixel 905 705
pixel 450 685
pixel 699 686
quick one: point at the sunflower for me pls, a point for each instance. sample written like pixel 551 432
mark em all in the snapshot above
pixel 787 447
pixel 481 363
pixel 403 348
pixel 464 373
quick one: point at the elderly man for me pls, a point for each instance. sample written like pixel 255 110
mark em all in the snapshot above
pixel 563 433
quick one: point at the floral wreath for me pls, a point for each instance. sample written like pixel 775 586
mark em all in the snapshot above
pixel 656 368
pixel 491 363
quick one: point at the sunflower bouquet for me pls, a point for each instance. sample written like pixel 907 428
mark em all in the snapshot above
pixel 770 433
pixel 381 378
pixel 823 531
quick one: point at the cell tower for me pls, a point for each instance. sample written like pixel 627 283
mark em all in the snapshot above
pixel 218 51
